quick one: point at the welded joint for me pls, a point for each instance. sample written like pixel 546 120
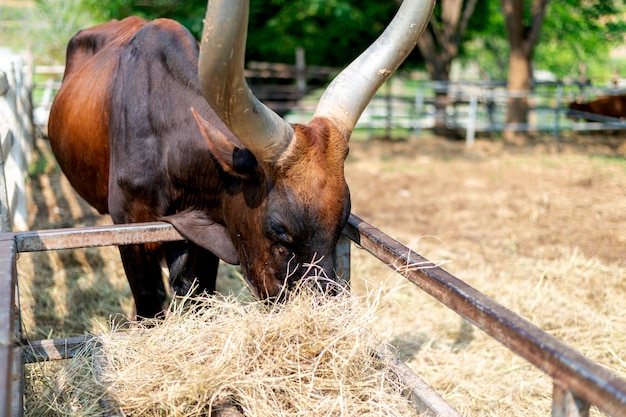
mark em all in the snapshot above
pixel 566 403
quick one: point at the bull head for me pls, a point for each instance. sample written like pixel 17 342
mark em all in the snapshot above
pixel 287 195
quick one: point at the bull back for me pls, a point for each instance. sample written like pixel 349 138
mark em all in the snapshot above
pixel 78 127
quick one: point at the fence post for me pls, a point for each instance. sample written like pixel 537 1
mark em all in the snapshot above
pixel 16 118
pixel 10 358
pixel 471 122
pixel 300 73
pixel 16 136
pixel 388 108
pixel 342 261
pixel 5 216
pixel 557 112
pixel 419 109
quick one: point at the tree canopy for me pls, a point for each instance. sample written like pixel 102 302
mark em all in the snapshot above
pixel 578 32
pixel 52 23
pixel 332 32
pixel 573 32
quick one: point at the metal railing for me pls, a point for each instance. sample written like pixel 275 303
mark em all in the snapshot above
pixel 469 108
pixel 480 106
pixel 577 381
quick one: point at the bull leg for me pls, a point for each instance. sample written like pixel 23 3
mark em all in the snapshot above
pixel 145 279
pixel 190 265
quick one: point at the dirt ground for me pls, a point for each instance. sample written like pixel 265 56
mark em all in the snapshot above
pixel 541 229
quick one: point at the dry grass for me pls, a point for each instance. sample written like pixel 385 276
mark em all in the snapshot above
pixel 310 357
pixel 541 234
pixel 474 373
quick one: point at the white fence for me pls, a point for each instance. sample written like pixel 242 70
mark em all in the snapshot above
pixel 16 138
pixel 45 88
pixel 481 107
pixel 472 107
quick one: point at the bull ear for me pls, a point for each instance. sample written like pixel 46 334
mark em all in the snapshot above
pixel 201 230
pixel 233 159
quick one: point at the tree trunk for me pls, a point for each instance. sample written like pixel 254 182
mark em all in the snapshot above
pixel 439 45
pixel 523 38
pixel 441 103
pixel 518 87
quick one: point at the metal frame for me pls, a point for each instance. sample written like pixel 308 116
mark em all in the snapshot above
pixel 10 356
pixel 577 381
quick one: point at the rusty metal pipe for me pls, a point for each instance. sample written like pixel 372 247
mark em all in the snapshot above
pixel 86 237
pixel 8 368
pixel 53 349
pixel 573 372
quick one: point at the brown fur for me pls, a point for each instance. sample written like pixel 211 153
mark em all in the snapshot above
pixel 610 106
pixel 79 117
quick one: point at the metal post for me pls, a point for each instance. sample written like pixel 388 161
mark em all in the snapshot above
pixel 566 404
pixel 471 123
pixel 557 112
pixel 342 261
pixel 10 370
pixel 419 108
pixel 300 79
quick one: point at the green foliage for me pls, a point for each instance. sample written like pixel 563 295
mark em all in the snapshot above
pixel 12 19
pixel 574 32
pixel 486 45
pixel 577 32
pixel 51 26
pixel 44 27
pixel 332 32
pixel 189 13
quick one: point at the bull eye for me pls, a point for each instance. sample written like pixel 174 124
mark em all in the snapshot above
pixel 281 234
pixel 278 232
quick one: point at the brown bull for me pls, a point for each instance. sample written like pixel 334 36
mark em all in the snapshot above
pixel 246 186
pixel 609 106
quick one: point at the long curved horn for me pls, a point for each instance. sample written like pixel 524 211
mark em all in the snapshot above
pixel 220 67
pixel 340 102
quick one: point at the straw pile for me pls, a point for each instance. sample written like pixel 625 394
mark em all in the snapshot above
pixel 309 357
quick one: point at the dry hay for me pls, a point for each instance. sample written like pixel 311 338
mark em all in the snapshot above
pixel 311 356
pixel 579 300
